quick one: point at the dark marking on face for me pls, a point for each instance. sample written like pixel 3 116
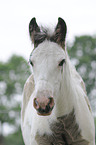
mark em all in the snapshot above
pixel 64 132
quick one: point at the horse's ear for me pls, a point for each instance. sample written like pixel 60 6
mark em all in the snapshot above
pixel 33 28
pixel 60 32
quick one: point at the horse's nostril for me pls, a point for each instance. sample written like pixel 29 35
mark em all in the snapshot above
pixel 35 101
pixel 36 104
pixel 51 102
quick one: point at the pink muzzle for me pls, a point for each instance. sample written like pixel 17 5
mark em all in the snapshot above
pixel 43 103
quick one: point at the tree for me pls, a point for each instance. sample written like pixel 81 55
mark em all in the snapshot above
pixel 13 75
pixel 83 53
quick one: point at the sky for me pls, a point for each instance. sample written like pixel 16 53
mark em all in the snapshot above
pixel 15 15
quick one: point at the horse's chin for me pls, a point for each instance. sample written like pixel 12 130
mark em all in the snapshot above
pixel 44 114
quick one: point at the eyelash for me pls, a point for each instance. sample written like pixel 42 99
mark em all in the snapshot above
pixel 30 62
pixel 62 62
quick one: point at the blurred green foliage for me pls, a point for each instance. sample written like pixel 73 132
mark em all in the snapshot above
pixel 15 71
pixel 14 139
pixel 95 129
pixel 84 50
pixel 13 75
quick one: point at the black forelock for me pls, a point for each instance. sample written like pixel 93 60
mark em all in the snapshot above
pixel 41 36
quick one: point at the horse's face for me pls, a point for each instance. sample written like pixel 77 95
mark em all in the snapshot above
pixel 48 61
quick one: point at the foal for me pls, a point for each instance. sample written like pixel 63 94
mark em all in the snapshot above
pixel 55 107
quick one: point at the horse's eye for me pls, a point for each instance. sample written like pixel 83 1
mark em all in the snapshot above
pixel 62 62
pixel 31 62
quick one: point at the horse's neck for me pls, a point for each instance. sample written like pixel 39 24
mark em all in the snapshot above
pixel 67 97
pixel 64 103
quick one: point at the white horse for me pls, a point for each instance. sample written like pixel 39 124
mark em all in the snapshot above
pixel 55 107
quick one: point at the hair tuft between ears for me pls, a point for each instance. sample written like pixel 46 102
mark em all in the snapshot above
pixel 39 35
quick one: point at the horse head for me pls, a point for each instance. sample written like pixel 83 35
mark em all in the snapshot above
pixel 47 60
